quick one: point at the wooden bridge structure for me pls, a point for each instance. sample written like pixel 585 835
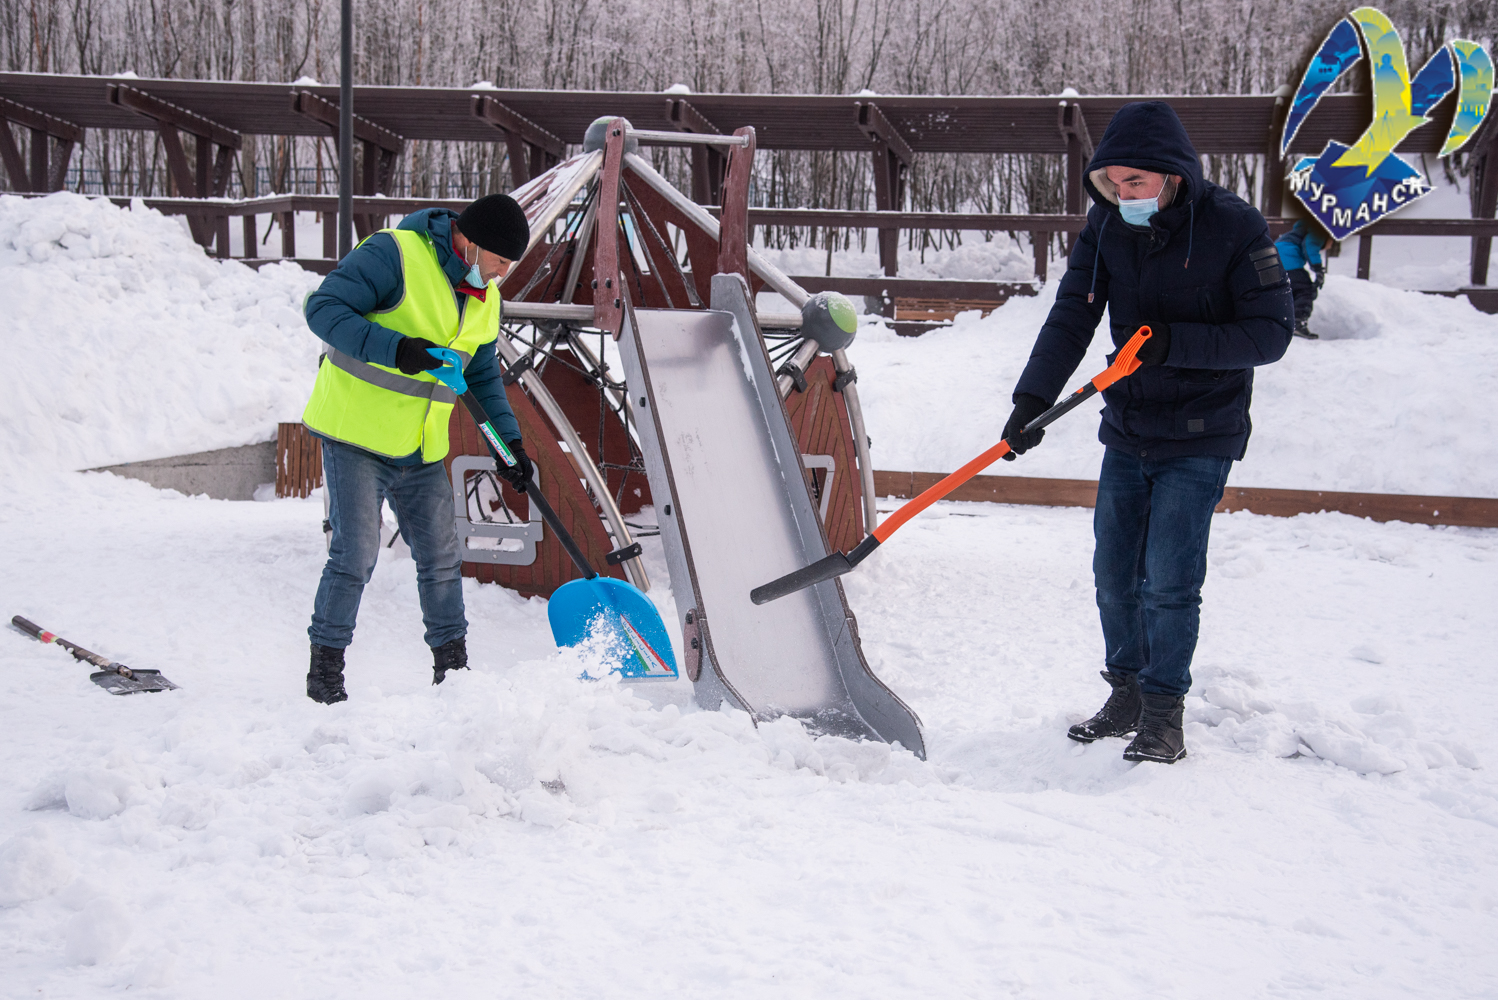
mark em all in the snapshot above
pixel 202 124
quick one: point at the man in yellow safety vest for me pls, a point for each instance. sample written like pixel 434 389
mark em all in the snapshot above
pixel 383 417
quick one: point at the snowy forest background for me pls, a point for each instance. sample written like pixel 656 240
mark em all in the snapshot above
pixel 958 47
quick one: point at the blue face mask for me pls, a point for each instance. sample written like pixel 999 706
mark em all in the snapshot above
pixel 472 277
pixel 1137 211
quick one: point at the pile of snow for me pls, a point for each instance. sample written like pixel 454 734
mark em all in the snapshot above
pixel 126 341
pixel 1329 834
pixel 1418 262
pixel 999 258
pixel 518 825
pixel 1394 398
pixel 137 345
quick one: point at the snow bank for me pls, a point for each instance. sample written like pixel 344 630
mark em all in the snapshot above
pixel 566 838
pixel 1395 398
pixel 127 342
pixel 997 259
pixel 134 344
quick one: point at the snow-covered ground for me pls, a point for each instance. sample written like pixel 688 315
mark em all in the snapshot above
pixel 519 833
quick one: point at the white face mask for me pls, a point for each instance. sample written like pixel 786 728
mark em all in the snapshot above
pixel 473 277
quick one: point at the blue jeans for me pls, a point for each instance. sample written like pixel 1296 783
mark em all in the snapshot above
pixel 422 499
pixel 1151 525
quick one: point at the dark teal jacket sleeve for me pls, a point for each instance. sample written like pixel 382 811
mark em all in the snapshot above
pixel 369 278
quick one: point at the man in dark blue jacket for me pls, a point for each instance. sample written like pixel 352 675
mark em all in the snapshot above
pixel 383 419
pixel 1163 247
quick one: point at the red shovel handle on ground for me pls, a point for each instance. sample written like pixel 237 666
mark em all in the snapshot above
pixel 1124 364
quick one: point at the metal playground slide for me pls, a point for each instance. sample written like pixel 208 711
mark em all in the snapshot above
pixel 716 443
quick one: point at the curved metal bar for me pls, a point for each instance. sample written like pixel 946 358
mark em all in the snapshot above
pixel 633 568
pixel 860 443
pixel 582 174
pixel 580 253
pixel 800 359
pixel 771 275
pixel 686 138
pixel 584 315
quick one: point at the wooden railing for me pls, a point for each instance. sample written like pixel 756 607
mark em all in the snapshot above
pixel 218 213
pixel 1479 512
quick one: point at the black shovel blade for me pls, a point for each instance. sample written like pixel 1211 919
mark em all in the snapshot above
pixel 144 681
pixel 807 576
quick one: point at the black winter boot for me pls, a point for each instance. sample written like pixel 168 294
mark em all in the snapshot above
pixel 1119 715
pixel 325 676
pixel 1303 329
pixel 1160 738
pixel 449 656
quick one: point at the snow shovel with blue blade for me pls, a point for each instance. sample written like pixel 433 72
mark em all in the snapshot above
pixel 611 614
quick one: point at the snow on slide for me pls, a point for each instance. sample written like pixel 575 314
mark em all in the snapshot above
pixel 516 832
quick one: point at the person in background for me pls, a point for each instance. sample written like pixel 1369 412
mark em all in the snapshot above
pixel 1300 252
pixel 1162 248
pixel 383 417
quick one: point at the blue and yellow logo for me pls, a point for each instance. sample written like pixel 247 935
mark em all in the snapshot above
pixel 1349 187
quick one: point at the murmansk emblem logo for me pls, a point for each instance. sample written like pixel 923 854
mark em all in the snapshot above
pixel 1349 187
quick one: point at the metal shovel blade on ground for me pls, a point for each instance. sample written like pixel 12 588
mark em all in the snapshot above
pixel 598 610
pixel 116 678
pixel 1125 363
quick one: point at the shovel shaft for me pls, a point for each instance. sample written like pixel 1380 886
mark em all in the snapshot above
pixel 79 653
pixel 568 542
pixel 480 417
pixel 1124 363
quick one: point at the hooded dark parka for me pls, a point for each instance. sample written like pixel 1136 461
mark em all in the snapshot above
pixel 1205 265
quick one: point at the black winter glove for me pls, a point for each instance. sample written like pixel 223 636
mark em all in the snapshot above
pixel 411 356
pixel 1157 348
pixel 519 474
pixel 1026 409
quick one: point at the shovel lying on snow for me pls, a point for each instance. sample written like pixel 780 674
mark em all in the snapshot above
pixel 1124 364
pixel 116 678
pixel 594 608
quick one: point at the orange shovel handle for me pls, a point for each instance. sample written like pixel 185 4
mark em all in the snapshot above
pixel 1124 364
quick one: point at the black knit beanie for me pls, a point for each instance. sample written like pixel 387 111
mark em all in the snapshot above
pixel 497 224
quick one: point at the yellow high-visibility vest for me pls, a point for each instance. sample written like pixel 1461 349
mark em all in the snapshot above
pixel 382 409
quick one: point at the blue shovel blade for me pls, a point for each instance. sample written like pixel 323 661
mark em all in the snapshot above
pixel 620 620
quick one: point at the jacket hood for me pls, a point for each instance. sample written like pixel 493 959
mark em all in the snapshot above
pixel 1147 135
pixel 437 224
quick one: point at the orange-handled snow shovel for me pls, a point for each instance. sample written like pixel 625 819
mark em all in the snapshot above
pixel 1126 363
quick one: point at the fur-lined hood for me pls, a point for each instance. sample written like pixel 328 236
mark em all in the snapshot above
pixel 1147 135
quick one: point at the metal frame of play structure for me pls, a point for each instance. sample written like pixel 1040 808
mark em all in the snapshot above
pixel 711 447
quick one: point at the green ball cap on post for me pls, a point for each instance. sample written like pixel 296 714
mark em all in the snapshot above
pixel 830 319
